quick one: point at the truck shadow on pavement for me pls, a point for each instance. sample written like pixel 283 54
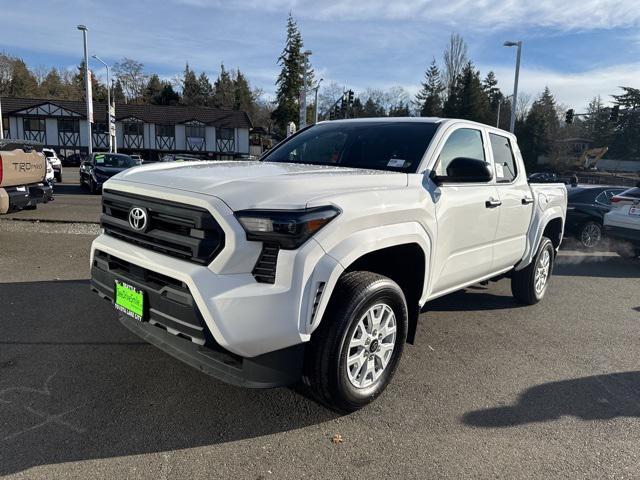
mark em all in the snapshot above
pixel 600 397
pixel 76 385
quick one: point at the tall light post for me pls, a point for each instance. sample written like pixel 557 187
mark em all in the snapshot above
pixel 315 115
pixel 1 122
pixel 499 105
pixel 87 89
pixel 518 44
pixel 108 101
pixel 303 94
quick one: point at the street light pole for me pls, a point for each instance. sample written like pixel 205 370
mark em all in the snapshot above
pixel 87 89
pixel 108 102
pixel 315 115
pixel 303 94
pixel 518 44
pixel 1 122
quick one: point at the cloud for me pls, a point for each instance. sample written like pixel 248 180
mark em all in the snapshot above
pixel 562 15
pixel 574 90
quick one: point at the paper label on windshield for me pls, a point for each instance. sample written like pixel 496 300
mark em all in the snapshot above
pixel 499 171
pixel 396 162
pixel 99 159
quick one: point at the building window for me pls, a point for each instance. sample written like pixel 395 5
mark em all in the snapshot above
pixel 100 135
pixel 69 132
pixel 132 128
pixel 195 135
pixel 34 129
pixel 225 140
pixel 165 137
pixel 133 134
pixel 5 127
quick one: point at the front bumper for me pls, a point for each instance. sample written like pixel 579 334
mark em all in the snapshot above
pixel 174 324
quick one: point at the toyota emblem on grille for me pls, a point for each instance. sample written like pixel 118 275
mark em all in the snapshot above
pixel 138 218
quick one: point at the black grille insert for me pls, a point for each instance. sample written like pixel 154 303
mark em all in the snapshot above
pixel 183 231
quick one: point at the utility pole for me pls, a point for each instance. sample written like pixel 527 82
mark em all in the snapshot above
pixel 315 107
pixel 518 44
pixel 108 104
pixel 2 122
pixel 87 89
pixel 303 93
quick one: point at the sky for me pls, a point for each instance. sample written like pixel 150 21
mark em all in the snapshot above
pixel 579 48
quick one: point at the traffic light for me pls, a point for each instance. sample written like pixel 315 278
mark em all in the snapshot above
pixel 350 97
pixel 615 111
pixel 568 118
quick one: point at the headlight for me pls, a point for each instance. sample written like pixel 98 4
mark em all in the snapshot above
pixel 287 228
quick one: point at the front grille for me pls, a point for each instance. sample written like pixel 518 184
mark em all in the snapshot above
pixel 265 268
pixel 182 231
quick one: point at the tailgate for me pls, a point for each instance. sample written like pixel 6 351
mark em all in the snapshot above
pixel 22 163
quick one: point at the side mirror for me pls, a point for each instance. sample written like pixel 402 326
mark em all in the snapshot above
pixel 465 170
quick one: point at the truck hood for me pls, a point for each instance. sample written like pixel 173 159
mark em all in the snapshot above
pixel 243 184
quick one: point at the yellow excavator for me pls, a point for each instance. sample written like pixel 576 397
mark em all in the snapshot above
pixel 590 157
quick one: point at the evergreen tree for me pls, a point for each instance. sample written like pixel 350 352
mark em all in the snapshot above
pixel 400 110
pixel 289 82
pixel 22 82
pixel 540 128
pixel 597 125
pixel 243 99
pixel 167 96
pixel 152 90
pixel 429 98
pixel 118 93
pixel 223 90
pixel 473 103
pixel 495 96
pixel 372 108
pixel 98 90
pixel 626 140
pixel 206 90
pixel 52 86
pixel 190 87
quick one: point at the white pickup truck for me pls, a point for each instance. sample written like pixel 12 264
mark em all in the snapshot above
pixel 315 262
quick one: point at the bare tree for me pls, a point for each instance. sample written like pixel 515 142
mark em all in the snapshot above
pixel 523 104
pixel 131 75
pixel 328 95
pixel 455 58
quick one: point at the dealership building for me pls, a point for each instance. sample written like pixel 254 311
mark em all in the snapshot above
pixel 149 130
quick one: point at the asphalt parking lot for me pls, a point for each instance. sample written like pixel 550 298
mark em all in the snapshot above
pixel 491 389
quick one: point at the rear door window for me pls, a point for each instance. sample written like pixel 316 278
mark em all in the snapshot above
pixel 503 158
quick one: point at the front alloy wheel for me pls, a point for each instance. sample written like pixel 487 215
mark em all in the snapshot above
pixel 371 346
pixel 353 354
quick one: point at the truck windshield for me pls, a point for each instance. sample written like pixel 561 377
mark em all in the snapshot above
pixel 396 146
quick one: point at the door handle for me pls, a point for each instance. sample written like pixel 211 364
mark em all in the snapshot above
pixel 527 200
pixel 491 203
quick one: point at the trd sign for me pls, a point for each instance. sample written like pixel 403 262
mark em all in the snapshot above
pixel 26 166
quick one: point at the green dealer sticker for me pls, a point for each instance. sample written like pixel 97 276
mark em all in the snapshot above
pixel 129 300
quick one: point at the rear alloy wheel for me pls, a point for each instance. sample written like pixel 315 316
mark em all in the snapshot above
pixel 530 284
pixel 590 234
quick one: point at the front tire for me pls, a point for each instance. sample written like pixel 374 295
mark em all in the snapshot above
pixel 58 177
pixel 626 250
pixel 529 285
pixel 354 353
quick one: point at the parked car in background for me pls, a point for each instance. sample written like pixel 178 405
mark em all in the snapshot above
pixel 543 177
pixel 585 213
pixel 623 222
pixel 100 167
pixel 55 162
pixel 74 160
pixel 137 158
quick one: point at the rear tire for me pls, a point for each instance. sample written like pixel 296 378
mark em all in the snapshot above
pixel 93 189
pixel 353 354
pixel 529 285
pixel 58 177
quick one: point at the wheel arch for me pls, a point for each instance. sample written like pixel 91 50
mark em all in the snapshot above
pixel 401 252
